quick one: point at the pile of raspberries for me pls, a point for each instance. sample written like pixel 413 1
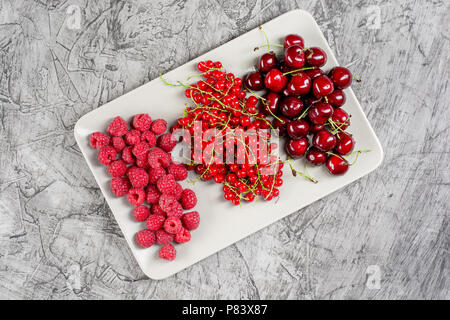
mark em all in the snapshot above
pixel 141 167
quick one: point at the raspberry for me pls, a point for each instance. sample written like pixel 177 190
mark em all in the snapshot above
pixel 172 225
pixel 136 196
pixel 127 156
pixel 156 209
pixel 166 184
pixel 159 126
pixel 149 137
pixel 141 213
pixel 132 137
pixel 118 143
pixel 98 140
pixel 158 158
pixel 177 191
pixel 145 238
pixel 152 194
pixel 120 186
pixel 142 122
pixel 138 177
pixel 190 220
pixel 183 236
pixel 188 199
pixel 178 171
pixel 118 127
pixel 106 155
pixel 176 211
pixel 168 252
pixel 140 150
pixel 169 203
pixel 155 222
pixel 154 174
pixel 117 168
pixel 167 142
pixel 143 163
pixel 162 237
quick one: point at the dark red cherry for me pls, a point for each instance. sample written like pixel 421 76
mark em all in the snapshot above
pixel 292 39
pixel 341 77
pixel 345 143
pixel 297 129
pixel 291 107
pixel 314 128
pixel 316 157
pixel 285 92
pixel 322 86
pixel 299 84
pixel 316 57
pixel 254 81
pixel 336 98
pixel 324 140
pixel 285 69
pixel 280 123
pixel 266 62
pixel 297 148
pixel 309 100
pixel 337 165
pixel 269 106
pixel 294 57
pixel 341 118
pixel 320 112
pixel 314 73
pixel 275 80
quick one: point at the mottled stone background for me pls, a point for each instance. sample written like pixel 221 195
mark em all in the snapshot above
pixel 58 239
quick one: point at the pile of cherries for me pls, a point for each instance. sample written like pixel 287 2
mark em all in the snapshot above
pixel 305 103
pixel 220 102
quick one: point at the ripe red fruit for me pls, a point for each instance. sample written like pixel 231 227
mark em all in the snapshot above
pixel 269 106
pixel 314 73
pixel 336 98
pixel 280 123
pixel 324 140
pixel 292 39
pixel 322 86
pixel 299 84
pixel 345 143
pixel 341 77
pixel 337 165
pixel 297 148
pixel 297 129
pixel 316 157
pixel 294 57
pixel 266 62
pixel 341 118
pixel 275 80
pixel 291 107
pixel 320 112
pixel 254 81
pixel 316 57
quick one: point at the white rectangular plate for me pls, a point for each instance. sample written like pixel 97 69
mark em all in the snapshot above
pixel 221 223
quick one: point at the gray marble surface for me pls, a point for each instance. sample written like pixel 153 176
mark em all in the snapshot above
pixel 58 239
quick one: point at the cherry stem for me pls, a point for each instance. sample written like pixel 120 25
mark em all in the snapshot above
pixel 304 113
pixel 298 70
pixel 356 78
pixel 267 45
pixel 296 172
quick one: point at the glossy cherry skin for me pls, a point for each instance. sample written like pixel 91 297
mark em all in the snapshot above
pixel 275 80
pixel 341 118
pixel 316 57
pixel 254 81
pixel 316 157
pixel 285 92
pixel 320 112
pixel 280 123
pixel 345 143
pixel 336 98
pixel 314 128
pixel 297 129
pixel 291 107
pixel 269 106
pixel 294 57
pixel 292 39
pixel 324 140
pixel 299 84
pixel 341 77
pixel 322 86
pixel 297 148
pixel 337 165
pixel 267 62
pixel 313 73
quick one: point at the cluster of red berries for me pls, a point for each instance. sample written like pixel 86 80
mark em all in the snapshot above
pixel 304 101
pixel 221 103
pixel 141 167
